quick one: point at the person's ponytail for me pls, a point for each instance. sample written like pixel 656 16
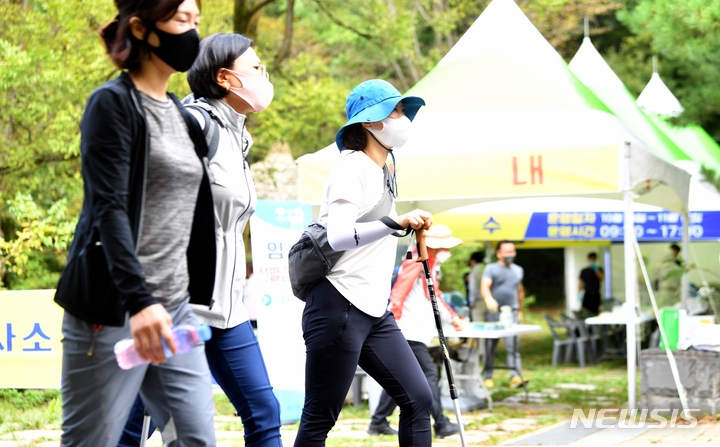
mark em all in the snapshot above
pixel 119 43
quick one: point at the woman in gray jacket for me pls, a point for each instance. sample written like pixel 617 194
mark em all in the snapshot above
pixel 229 81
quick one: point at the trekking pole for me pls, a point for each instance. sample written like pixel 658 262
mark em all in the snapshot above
pixel 145 429
pixel 423 257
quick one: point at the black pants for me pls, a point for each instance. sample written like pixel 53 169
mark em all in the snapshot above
pixel 387 405
pixel 338 337
pixel 591 301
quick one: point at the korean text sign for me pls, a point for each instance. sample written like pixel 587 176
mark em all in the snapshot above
pixel 30 333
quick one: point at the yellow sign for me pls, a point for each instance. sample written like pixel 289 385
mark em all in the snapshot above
pixel 488 174
pixel 475 227
pixel 30 333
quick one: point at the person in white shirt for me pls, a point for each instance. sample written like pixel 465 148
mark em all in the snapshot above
pixel 346 322
pixel 410 304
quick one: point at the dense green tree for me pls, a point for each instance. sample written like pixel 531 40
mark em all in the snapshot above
pixel 50 61
pixel 686 37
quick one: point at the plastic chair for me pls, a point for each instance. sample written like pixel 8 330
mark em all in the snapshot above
pixel 560 341
pixel 589 338
pixel 591 335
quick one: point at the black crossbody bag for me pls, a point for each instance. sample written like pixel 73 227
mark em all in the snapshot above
pixel 311 258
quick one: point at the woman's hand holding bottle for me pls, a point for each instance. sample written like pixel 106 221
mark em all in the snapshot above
pixel 148 327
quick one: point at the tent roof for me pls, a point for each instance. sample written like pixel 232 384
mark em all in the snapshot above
pixel 703 195
pixel 590 67
pixel 695 142
pixel 505 117
pixel 657 98
pixel 659 102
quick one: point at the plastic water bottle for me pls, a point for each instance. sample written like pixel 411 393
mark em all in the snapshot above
pixel 186 336
pixel 506 316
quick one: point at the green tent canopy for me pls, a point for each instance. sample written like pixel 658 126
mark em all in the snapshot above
pixel 646 116
pixel 507 118
pixel 694 141
pixel 590 67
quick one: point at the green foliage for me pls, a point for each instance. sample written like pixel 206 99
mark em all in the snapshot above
pixel 711 177
pixel 38 231
pixel 27 399
pixel 50 61
pixel 454 269
pixel 528 302
pixel 29 409
pixel 561 22
pixel 686 36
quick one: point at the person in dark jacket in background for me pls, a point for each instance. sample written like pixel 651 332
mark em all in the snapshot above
pixel 147 226
pixel 589 286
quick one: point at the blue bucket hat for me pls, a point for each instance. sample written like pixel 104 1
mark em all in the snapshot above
pixel 373 101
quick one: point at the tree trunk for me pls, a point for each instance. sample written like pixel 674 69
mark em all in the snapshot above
pixel 286 45
pixel 246 15
pixel 401 75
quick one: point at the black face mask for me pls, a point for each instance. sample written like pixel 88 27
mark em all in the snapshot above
pixel 177 50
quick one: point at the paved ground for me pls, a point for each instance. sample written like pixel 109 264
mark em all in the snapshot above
pixel 229 434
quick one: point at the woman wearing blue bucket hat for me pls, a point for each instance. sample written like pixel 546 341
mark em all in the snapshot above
pixel 346 322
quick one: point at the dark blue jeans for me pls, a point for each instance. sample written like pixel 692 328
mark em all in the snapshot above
pixel 238 367
pixel 338 337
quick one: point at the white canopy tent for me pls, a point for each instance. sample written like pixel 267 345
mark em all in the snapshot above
pixel 596 74
pixel 657 98
pixel 505 118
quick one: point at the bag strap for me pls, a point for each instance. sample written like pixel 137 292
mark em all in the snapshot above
pixel 384 205
pixel 211 129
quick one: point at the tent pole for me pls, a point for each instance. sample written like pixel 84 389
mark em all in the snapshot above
pixel 608 274
pixel 571 282
pixel 685 282
pixel 630 281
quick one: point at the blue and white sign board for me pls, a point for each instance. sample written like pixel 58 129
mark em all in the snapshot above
pixel 276 226
pixel 649 226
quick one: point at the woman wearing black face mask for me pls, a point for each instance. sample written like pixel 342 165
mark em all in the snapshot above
pixel 229 81
pixel 144 244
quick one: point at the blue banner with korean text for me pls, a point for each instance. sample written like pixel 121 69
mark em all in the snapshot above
pixel 649 226
pixel 276 226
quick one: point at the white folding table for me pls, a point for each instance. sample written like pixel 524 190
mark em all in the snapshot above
pixel 619 319
pixel 482 334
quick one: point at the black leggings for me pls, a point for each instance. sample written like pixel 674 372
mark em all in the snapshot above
pixel 386 405
pixel 338 337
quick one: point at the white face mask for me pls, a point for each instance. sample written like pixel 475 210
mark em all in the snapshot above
pixel 395 131
pixel 443 256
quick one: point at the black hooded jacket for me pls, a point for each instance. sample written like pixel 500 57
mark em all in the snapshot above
pixel 115 150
